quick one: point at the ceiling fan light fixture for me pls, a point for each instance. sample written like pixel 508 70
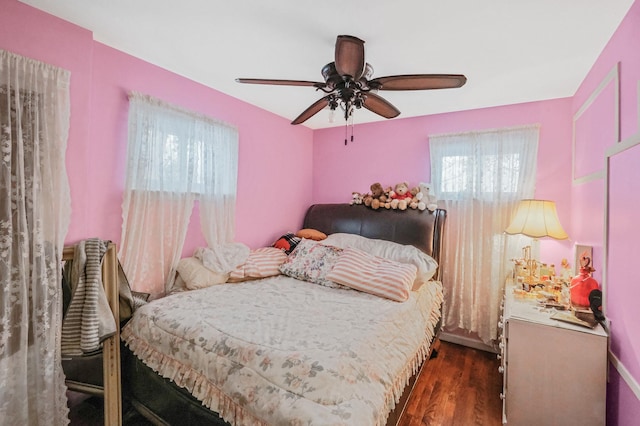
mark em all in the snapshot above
pixel 333 105
pixel 333 102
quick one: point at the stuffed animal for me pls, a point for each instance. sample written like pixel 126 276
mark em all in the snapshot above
pixel 401 196
pixel 385 198
pixel 378 198
pixel 416 202
pixel 356 198
pixel 429 198
pixel 367 199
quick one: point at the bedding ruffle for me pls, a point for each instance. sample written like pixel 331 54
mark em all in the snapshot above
pixel 195 382
pixel 243 362
pixel 413 365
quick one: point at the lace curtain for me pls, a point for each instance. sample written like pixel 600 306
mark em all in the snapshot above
pixel 34 218
pixel 175 157
pixel 479 178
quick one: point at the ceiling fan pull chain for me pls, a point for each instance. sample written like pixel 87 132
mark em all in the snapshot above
pixel 347 124
pixel 352 128
pixel 346 127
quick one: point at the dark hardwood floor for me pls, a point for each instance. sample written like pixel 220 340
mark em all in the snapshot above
pixel 459 387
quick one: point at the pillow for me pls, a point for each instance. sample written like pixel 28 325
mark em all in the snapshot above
pixel 311 234
pixel 426 264
pixel 261 263
pixel 287 243
pixel 312 261
pixel 362 271
pixel 195 275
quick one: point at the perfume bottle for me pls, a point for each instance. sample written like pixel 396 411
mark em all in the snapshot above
pixel 565 293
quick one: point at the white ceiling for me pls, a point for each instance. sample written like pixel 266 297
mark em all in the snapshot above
pixel 511 51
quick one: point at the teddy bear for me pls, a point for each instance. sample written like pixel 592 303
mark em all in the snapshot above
pixel 416 202
pixel 356 198
pixel 366 199
pixel 385 198
pixel 429 198
pixel 401 196
pixel 378 197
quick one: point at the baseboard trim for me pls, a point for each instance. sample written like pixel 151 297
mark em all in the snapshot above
pixel 624 373
pixel 466 341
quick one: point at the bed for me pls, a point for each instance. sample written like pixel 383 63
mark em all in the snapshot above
pixel 283 350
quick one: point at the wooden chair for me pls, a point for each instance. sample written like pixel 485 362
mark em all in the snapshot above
pixel 81 369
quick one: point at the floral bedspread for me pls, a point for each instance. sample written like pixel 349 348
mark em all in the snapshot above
pixel 282 351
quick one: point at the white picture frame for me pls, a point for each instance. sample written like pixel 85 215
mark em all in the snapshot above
pixel 577 253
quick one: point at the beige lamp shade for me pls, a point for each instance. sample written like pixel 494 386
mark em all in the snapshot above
pixel 537 219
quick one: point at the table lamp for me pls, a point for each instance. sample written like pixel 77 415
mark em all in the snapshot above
pixel 535 219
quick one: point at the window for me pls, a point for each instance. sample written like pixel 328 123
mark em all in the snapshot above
pixel 488 173
pixel 481 164
pixel 174 157
pixel 479 178
pixel 179 151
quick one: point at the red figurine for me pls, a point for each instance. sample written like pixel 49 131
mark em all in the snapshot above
pixel 583 283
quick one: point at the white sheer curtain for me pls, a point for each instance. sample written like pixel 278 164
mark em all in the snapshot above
pixel 174 157
pixel 217 200
pixel 35 208
pixel 479 178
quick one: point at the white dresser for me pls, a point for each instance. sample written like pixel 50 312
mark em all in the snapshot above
pixel 555 373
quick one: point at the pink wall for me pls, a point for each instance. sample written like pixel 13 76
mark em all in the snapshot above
pixel 273 155
pixel 624 201
pixel 621 291
pixel 398 150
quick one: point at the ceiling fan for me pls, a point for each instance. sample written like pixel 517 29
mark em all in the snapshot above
pixel 348 86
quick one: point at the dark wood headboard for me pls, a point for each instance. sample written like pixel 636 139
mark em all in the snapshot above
pixel 423 229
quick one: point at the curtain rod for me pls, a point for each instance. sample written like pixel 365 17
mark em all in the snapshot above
pixel 494 130
pixel 155 101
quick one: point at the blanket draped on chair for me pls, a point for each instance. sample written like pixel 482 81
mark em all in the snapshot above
pixel 88 320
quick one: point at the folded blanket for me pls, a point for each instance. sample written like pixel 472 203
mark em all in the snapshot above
pixel 89 319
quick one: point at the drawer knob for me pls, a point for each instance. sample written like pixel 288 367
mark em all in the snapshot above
pixel 501 369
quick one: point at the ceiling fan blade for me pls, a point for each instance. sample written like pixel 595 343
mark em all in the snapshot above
pixel 419 81
pixel 316 107
pixel 280 82
pixel 349 56
pixel 380 106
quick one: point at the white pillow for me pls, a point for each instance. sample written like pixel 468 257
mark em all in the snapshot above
pixel 195 275
pixel 365 272
pixel 426 264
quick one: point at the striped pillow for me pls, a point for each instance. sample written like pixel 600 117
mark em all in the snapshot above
pixel 261 263
pixel 375 275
